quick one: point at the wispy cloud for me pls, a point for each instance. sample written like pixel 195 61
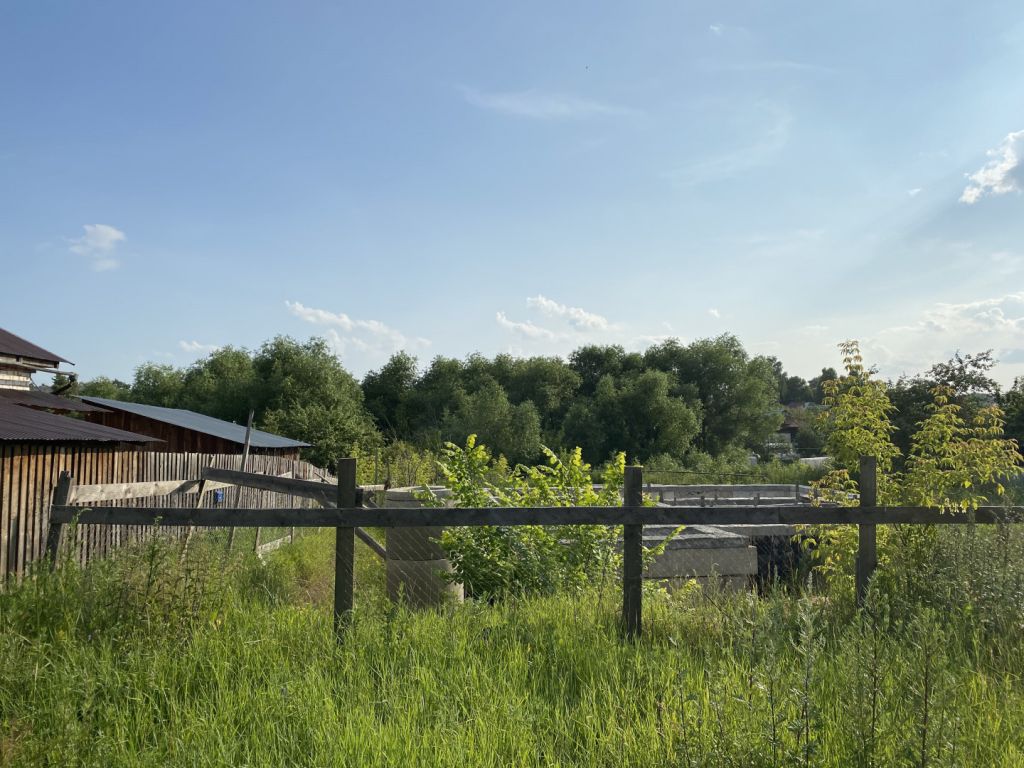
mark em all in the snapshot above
pixel 578 317
pixel 714 313
pixel 1003 173
pixel 914 192
pixel 98 245
pixel 768 141
pixel 527 329
pixel 195 347
pixel 346 332
pixel 994 323
pixel 542 105
pixel 571 323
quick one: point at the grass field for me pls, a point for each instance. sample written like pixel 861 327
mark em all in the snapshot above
pixel 140 661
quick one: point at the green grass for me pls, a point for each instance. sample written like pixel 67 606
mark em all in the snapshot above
pixel 225 661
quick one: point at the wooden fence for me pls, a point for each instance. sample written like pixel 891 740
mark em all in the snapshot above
pixel 29 474
pixel 347 513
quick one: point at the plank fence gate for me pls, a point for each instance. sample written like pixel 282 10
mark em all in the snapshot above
pixel 342 508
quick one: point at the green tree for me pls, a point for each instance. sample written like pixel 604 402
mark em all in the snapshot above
pixel 512 430
pixel 303 392
pixel 102 386
pixel 737 395
pixel 387 393
pixel 222 385
pixel 637 415
pixel 156 384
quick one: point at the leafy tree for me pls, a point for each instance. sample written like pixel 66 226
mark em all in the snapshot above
pixel 222 385
pixel 387 392
pixel 547 382
pixel 965 379
pixel 513 430
pixel 637 415
pixel 952 463
pixel 102 386
pixel 792 389
pixel 592 363
pixel 737 396
pixel 1013 403
pixel 303 391
pixel 816 384
pixel 156 384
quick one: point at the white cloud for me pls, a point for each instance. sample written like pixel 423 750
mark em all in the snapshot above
pixel 542 105
pixel 196 347
pixel 366 335
pixel 996 323
pixel 1000 175
pixel 577 317
pixel 716 29
pixel 914 192
pixel 714 313
pixel 98 244
pixel 527 329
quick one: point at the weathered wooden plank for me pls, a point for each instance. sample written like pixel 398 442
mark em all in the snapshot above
pixel 371 542
pixel 400 517
pixel 632 556
pixel 85 494
pixel 65 483
pixel 309 489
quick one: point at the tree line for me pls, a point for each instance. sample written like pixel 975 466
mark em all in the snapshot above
pixel 672 402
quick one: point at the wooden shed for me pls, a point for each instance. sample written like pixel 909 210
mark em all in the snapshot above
pixel 35 447
pixel 188 431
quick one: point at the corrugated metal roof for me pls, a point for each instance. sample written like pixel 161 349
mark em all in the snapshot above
pixel 18 423
pixel 199 423
pixel 35 399
pixel 15 346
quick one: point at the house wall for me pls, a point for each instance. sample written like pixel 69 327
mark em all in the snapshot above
pixel 14 377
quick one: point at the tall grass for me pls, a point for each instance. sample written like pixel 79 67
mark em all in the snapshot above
pixel 227 661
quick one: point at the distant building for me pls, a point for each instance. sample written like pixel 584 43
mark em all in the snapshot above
pixel 187 431
pixel 19 359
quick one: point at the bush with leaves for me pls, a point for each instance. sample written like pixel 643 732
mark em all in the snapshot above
pixel 494 561
pixel 952 464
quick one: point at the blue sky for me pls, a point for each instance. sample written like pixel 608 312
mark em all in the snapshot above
pixel 524 177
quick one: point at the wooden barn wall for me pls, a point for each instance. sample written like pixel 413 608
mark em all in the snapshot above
pixel 178 439
pixel 29 472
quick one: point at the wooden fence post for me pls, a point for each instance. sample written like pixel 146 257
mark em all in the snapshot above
pixel 867 553
pixel 344 548
pixel 632 555
pixel 60 497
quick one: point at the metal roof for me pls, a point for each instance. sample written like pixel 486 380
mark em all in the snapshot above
pixel 208 425
pixel 18 424
pixel 15 346
pixel 36 399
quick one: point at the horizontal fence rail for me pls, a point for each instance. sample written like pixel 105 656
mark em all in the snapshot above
pixel 341 508
pixel 400 517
